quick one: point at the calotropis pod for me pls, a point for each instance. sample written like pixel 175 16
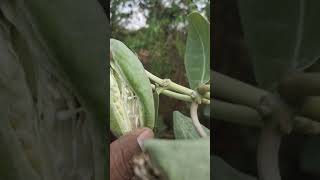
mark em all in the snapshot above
pixel 131 97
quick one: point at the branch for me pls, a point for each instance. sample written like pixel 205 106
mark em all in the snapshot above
pixel 236 113
pixel 247 116
pixel 170 85
pixel 268 153
pixel 235 91
pixel 300 85
pixel 179 96
pixel 195 120
pixel 278 122
pixel 306 126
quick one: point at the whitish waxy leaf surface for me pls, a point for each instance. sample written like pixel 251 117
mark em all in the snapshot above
pixel 184 128
pixel 181 159
pixel 197 55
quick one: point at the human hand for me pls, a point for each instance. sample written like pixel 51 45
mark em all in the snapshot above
pixel 122 151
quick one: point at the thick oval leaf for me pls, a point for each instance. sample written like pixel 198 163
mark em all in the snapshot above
pixel 77 36
pixel 197 55
pixel 62 51
pixel 181 159
pixel 16 110
pixel 76 33
pixel 282 40
pixel 183 127
pixel 222 170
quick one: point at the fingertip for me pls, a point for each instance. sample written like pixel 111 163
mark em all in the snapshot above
pixel 145 135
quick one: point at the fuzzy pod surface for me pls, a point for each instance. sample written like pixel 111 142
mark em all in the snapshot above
pixel 131 97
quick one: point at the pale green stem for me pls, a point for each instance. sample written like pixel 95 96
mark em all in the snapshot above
pixel 195 120
pixel 247 116
pixel 179 96
pixel 235 91
pixel 306 125
pixel 171 85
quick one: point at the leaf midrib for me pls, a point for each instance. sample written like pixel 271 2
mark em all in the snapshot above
pixel 203 51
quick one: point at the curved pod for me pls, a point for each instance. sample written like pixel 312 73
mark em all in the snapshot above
pixel 131 101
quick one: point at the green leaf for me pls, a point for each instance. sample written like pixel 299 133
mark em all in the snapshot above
pixel 60 48
pixel 197 54
pixel 282 40
pixel 16 110
pixel 222 170
pixel 76 33
pixel 181 159
pixel 183 127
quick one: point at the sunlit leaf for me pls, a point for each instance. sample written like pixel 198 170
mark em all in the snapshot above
pixel 197 54
pixel 183 127
pixel 181 159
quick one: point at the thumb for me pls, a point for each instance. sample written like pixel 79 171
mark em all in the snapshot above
pixel 122 151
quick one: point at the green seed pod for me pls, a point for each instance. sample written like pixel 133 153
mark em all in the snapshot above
pixel 131 97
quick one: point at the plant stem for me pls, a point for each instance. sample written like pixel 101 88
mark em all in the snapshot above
pixel 306 126
pixel 247 116
pixel 235 91
pixel 179 96
pixel 179 90
pixel 234 113
pixel 268 153
pixel 170 85
pixel 195 120
pixel 300 85
pixel 278 122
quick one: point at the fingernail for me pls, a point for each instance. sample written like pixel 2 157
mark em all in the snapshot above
pixel 145 135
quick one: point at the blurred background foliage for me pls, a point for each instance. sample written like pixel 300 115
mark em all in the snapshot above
pixel 156 31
